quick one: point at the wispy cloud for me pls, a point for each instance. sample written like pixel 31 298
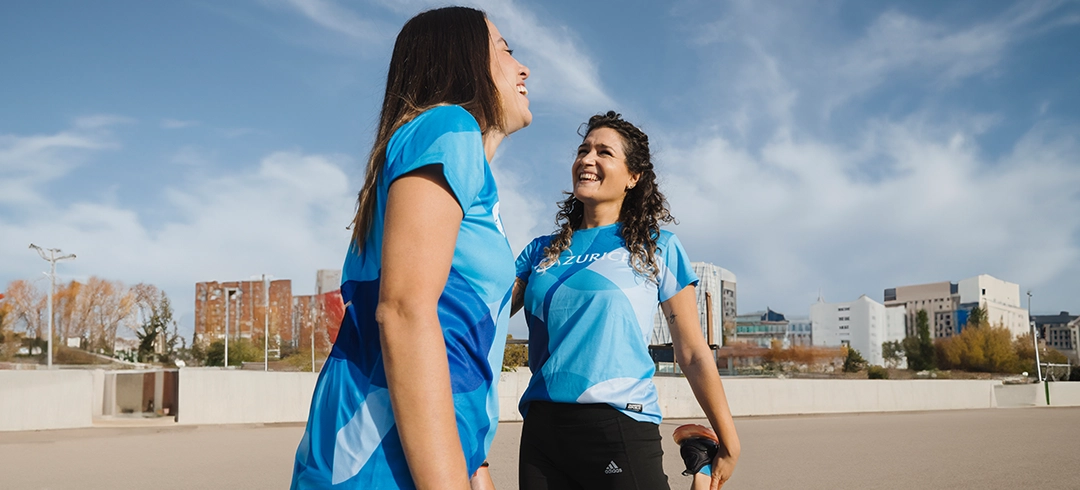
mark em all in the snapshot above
pixel 28 162
pixel 100 121
pixel 800 58
pixel 177 124
pixel 193 156
pixel 238 132
pixel 285 217
pixel 332 16
pixel 797 215
pixel 561 73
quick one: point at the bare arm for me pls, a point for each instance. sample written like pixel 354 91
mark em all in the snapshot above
pixel 422 221
pixel 696 360
pixel 517 298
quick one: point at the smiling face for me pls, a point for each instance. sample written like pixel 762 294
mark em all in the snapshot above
pixel 509 76
pixel 600 174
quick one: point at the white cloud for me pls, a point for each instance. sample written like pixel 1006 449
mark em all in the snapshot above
pixel 177 123
pixel 234 133
pixel 560 72
pixel 28 161
pixel 193 156
pixel 796 216
pixel 287 217
pixel 331 16
pixel 780 59
pixel 101 121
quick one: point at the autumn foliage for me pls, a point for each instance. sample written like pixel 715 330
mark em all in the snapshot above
pixel 95 312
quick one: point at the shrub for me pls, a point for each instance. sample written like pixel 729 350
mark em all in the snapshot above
pixel 877 372
pixel 854 361
pixel 514 355
pixel 240 351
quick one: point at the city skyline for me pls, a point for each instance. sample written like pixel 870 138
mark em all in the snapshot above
pixel 835 147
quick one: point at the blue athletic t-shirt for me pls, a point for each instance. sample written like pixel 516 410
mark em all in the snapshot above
pixel 351 440
pixel 590 317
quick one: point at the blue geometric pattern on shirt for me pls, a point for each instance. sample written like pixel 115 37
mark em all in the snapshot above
pixel 590 319
pixel 351 439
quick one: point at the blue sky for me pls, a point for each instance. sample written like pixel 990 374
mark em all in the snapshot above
pixel 840 147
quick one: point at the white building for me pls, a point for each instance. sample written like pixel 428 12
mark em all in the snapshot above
pixel 1000 299
pixel 863 324
pixel 799 332
pixel 715 302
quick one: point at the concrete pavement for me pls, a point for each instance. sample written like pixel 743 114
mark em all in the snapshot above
pixel 1016 448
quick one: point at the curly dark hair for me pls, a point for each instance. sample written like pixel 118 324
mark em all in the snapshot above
pixel 643 209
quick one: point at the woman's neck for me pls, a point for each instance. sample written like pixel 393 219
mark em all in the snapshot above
pixel 492 139
pixel 600 214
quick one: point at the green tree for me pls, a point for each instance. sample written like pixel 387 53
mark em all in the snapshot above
pixel 978 317
pixel 155 331
pixel 240 351
pixel 980 348
pixel 514 355
pixel 893 353
pixel 1025 353
pixel 854 361
pixel 920 350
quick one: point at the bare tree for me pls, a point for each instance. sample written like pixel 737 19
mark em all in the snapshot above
pixel 28 306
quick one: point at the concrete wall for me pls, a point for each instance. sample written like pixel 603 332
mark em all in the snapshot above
pixel 1034 395
pixel 35 400
pixel 767 396
pixel 511 386
pixel 217 396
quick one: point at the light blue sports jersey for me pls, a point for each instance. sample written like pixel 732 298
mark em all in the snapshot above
pixel 590 318
pixel 351 440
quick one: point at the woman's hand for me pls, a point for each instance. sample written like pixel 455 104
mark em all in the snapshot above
pixel 722 467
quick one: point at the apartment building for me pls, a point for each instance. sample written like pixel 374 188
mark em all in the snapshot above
pixel 716 297
pixel 1058 331
pixel 863 324
pixel 948 304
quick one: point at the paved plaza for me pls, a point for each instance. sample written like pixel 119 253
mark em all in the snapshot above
pixel 997 448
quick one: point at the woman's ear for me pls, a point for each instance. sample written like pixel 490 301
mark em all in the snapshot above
pixel 633 181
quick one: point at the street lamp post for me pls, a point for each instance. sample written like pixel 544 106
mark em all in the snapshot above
pixel 1034 338
pixel 229 294
pixel 266 323
pixel 52 258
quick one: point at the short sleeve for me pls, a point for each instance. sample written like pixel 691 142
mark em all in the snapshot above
pixel 528 258
pixel 676 273
pixel 448 136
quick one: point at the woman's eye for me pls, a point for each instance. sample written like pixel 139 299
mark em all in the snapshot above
pixel 510 51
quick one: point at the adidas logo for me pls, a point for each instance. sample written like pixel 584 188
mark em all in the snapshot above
pixel 612 468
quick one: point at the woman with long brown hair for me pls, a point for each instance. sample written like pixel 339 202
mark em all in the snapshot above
pixel 407 397
pixel 590 291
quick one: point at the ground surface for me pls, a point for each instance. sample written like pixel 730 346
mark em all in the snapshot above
pixel 1018 448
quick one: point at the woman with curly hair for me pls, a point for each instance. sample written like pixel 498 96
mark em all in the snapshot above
pixel 590 291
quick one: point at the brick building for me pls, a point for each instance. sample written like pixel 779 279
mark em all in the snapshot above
pixel 248 308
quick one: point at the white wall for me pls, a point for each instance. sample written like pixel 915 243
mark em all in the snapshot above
pixel 46 399
pixel 1000 299
pixel 867 323
pixel 218 396
pixel 761 396
pixel 36 400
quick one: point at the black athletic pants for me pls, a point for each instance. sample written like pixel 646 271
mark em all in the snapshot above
pixel 572 446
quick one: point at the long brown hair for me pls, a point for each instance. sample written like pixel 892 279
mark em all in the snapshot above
pixel 643 209
pixel 441 56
